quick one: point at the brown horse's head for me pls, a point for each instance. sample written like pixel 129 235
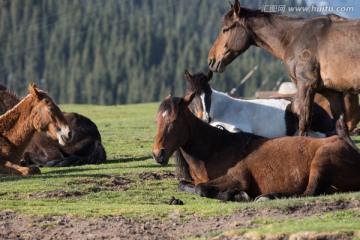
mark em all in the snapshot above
pixel 47 117
pixel 172 125
pixel 199 83
pixel 232 40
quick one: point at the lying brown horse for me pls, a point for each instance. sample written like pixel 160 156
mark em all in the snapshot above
pixel 86 147
pixel 36 112
pixel 321 54
pixel 239 166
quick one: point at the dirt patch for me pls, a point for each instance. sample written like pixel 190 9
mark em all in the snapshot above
pixel 19 226
pixel 62 194
pixel 156 176
pixel 111 183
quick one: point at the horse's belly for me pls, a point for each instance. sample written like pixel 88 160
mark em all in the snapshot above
pixel 341 71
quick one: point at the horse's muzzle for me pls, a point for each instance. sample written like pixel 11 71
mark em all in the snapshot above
pixel 160 156
pixel 216 66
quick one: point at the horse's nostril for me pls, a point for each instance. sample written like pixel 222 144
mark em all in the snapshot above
pixel 210 62
pixel 162 151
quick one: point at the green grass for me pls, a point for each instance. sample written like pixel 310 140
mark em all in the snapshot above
pixel 128 133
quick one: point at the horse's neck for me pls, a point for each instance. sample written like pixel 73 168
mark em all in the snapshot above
pixel 7 101
pixel 204 141
pixel 202 138
pixel 16 125
pixel 210 151
pixel 274 33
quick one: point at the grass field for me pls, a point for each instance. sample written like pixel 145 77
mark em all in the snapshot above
pixel 131 184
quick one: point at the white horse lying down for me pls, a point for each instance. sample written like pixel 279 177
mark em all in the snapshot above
pixel 270 118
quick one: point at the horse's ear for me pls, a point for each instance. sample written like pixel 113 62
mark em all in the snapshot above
pixel 231 6
pixel 236 8
pixel 187 75
pixel 209 75
pixel 169 96
pixel 33 89
pixel 188 98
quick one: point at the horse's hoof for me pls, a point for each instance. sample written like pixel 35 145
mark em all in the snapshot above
pixel 269 196
pixel 355 132
pixel 34 171
pixel 262 199
pixel 242 197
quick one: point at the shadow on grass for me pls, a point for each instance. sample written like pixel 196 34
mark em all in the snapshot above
pixel 128 159
pixel 356 141
pixel 69 172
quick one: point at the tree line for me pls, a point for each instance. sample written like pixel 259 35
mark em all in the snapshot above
pixel 118 52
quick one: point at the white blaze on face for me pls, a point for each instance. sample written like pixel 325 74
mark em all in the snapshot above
pixel 63 135
pixel 205 116
pixel 165 113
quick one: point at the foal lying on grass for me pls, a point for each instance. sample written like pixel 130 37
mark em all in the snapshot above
pixel 35 113
pixel 86 147
pixel 242 166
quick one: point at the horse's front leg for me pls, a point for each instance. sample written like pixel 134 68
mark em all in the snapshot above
pixel 224 188
pixel 8 168
pixel 307 79
pixel 306 95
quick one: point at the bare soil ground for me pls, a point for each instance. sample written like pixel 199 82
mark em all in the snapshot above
pixel 19 226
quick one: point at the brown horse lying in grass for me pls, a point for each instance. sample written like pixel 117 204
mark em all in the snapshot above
pixel 36 112
pixel 239 166
pixel 86 147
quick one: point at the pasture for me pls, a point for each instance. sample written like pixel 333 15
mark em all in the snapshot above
pixel 129 196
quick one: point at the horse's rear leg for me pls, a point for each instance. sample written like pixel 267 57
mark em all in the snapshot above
pixel 337 107
pixel 319 175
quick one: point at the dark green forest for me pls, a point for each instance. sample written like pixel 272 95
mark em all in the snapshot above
pixel 121 51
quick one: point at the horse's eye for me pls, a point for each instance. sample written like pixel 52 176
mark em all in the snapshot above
pixel 229 28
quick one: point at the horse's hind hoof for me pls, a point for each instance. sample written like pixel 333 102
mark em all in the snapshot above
pixel 355 132
pixel 269 196
pixel 242 197
pixel 262 199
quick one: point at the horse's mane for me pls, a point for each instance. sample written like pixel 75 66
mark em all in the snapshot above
pixel 5 114
pixel 248 13
pixel 8 99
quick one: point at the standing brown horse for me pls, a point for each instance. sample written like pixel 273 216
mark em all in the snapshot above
pixel 321 54
pixel 86 147
pixel 223 164
pixel 36 112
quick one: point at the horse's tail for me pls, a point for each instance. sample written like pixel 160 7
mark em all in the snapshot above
pixel 97 156
pixel 182 171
